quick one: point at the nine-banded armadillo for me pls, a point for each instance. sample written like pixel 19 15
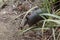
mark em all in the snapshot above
pixel 34 17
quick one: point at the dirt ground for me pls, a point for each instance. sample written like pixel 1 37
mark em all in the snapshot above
pixel 9 26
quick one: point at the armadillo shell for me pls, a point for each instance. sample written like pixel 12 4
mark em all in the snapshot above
pixel 33 18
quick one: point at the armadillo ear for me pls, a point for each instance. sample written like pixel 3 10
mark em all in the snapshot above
pixel 25 22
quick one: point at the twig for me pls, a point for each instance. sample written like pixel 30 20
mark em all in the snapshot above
pixel 43 27
pixel 58 36
pixel 53 33
pixel 17 17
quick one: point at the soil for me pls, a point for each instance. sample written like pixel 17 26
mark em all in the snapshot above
pixel 9 26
